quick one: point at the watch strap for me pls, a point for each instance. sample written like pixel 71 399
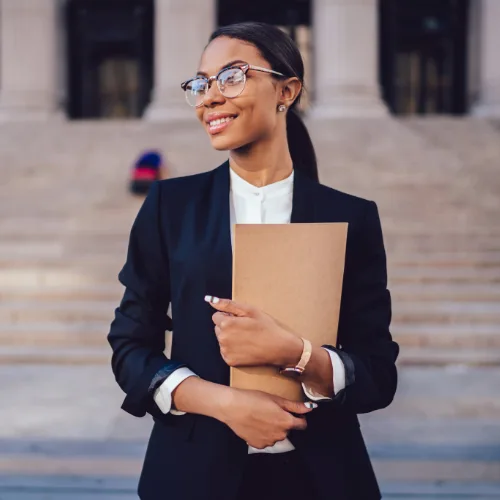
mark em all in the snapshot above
pixel 304 359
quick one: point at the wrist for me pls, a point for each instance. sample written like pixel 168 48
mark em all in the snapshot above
pixel 223 402
pixel 292 352
pixel 201 397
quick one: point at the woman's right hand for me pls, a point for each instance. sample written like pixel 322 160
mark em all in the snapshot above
pixel 261 419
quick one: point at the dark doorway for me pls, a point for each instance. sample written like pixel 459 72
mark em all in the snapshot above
pixel 289 14
pixel 423 55
pixel 110 52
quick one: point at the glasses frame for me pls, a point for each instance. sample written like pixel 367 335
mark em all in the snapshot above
pixel 244 67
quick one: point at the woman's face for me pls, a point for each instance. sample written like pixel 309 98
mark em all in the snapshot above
pixel 253 114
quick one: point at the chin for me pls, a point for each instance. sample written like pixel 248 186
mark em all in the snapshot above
pixel 221 143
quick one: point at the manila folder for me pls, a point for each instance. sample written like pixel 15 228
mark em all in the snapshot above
pixel 294 272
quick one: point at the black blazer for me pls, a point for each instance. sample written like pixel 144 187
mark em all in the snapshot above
pixel 180 251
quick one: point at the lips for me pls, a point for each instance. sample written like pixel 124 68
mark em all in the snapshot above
pixel 218 122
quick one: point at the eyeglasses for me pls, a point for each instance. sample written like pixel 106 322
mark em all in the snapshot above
pixel 230 81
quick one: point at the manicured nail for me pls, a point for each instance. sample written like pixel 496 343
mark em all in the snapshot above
pixel 213 300
pixel 310 406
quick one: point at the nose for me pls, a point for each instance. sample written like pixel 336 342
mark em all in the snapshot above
pixel 213 95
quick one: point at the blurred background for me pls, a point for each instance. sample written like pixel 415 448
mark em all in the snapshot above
pixel 403 105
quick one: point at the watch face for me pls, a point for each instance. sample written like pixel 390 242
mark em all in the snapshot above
pixel 291 372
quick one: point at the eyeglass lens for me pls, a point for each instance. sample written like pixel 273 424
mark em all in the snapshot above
pixel 231 83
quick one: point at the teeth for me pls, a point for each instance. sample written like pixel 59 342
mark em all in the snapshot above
pixel 214 123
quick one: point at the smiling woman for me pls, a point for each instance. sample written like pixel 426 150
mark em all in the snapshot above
pixel 211 441
pixel 266 74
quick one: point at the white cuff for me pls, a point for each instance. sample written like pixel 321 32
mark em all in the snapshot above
pixel 338 378
pixel 163 395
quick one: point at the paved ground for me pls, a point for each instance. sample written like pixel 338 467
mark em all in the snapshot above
pixel 63 435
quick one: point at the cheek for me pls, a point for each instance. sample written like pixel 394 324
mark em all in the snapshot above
pixel 263 122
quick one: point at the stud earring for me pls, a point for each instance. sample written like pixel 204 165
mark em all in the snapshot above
pixel 281 108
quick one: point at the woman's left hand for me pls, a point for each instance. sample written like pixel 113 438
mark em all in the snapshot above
pixel 250 337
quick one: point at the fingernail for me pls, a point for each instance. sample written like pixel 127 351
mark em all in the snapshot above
pixel 311 406
pixel 211 299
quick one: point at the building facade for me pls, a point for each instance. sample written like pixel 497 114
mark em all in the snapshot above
pixel 364 58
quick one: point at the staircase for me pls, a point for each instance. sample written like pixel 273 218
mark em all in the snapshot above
pixel 65 215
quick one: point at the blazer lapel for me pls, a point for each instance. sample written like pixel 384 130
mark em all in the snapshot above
pixel 220 263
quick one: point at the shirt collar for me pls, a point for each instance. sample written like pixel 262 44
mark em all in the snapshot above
pixel 242 187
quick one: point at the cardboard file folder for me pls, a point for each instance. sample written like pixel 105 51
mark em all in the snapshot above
pixel 293 272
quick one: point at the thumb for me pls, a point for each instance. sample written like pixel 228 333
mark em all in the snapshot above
pixel 296 407
pixel 229 306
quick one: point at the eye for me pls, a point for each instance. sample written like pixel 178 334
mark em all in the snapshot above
pixel 231 77
pixel 197 86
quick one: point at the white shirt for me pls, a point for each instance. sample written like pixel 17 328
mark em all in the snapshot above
pixel 249 204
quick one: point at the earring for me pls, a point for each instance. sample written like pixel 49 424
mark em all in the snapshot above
pixel 281 108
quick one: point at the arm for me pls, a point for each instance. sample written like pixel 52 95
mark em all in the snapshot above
pixel 261 420
pixel 137 334
pixel 368 351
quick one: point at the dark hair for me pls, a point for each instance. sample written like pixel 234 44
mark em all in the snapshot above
pixel 283 55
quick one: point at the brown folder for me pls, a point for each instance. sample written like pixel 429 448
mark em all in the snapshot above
pixel 293 272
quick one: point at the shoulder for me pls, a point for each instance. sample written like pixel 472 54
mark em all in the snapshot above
pixel 361 214
pixel 186 184
pixel 179 193
pixel 351 205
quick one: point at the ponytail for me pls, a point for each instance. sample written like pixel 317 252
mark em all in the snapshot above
pixel 300 145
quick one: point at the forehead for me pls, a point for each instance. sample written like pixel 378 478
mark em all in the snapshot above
pixel 223 50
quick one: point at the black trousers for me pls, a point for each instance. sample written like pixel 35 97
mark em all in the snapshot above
pixel 275 477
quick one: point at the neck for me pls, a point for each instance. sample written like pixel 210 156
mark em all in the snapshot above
pixel 262 163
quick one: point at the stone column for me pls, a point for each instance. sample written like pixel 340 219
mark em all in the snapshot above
pixel 346 59
pixel 488 104
pixel 182 29
pixel 28 59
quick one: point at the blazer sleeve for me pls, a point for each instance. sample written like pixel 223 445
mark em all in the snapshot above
pixel 365 342
pixel 137 333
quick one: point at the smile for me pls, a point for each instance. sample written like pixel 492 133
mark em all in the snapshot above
pixel 217 126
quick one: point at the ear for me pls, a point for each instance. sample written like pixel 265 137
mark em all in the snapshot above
pixel 290 90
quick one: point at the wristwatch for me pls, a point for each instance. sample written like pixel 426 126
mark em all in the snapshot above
pixel 299 369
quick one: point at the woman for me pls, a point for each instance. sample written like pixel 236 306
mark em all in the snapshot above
pixel 210 441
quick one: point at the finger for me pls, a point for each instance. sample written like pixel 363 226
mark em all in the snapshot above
pixel 299 424
pixel 296 407
pixel 219 317
pixel 218 331
pixel 230 306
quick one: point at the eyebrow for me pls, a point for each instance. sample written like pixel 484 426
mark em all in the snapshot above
pixel 227 65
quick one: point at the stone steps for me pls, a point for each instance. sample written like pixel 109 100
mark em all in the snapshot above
pixel 112 291
pixel 458 293
pixel 106 271
pixel 92 333
pixel 453 275
pixel 65 219
pixel 57 334
pixel 21 311
pixel 447 336
pixel 101 355
pixel 444 312
pixel 425 356
pixel 66 309
pixel 46 294
pixel 111 247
